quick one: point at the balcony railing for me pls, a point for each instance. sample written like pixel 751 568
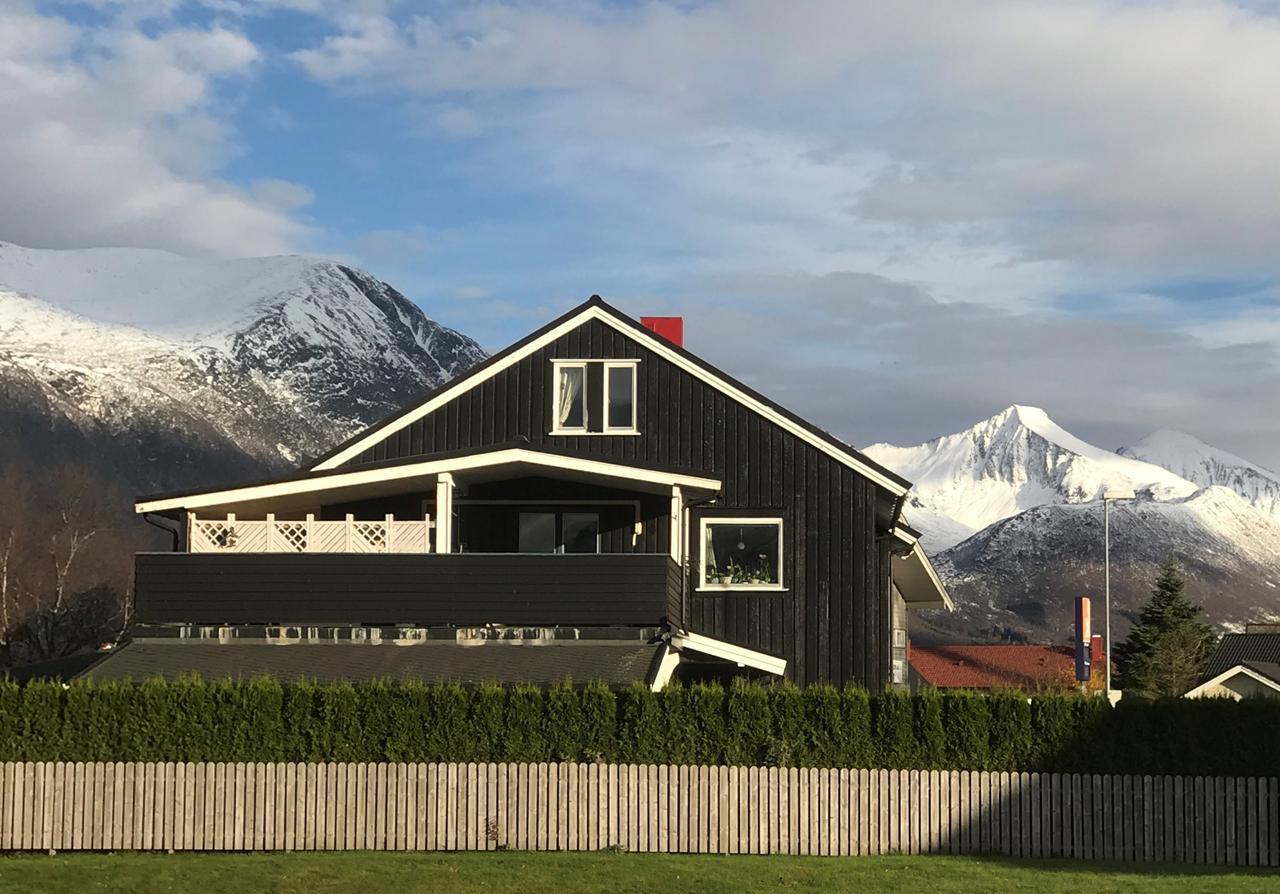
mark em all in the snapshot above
pixel 273 535
pixel 459 589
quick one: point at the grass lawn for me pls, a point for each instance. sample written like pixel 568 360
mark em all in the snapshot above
pixel 526 873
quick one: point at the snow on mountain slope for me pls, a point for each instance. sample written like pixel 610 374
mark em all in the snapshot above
pixel 271 359
pixel 154 290
pixel 1197 461
pixel 1020 575
pixel 1016 460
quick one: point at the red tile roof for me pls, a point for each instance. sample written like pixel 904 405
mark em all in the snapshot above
pixel 1026 667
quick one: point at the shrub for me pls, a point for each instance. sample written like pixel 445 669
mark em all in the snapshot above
pixel 264 720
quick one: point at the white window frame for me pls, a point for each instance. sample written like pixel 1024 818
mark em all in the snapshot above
pixel 710 520
pixel 634 366
pixel 556 427
pixel 605 430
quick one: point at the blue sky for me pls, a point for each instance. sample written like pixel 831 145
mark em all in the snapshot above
pixel 897 218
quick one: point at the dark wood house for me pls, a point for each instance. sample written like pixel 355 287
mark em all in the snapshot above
pixel 593 502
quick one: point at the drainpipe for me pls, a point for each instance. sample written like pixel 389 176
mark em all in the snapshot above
pixel 157 521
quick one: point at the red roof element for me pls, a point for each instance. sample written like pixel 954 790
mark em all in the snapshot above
pixel 1027 667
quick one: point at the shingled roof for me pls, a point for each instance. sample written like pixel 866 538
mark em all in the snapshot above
pixel 1243 648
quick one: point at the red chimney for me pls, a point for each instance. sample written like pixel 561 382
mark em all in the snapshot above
pixel 1095 649
pixel 670 328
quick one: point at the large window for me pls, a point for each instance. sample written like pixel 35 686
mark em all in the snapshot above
pixel 594 397
pixel 620 397
pixel 742 553
pixel 559 532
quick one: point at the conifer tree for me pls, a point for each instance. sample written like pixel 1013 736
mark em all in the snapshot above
pixel 1167 649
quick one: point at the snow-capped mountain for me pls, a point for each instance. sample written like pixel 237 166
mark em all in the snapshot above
pixel 1188 456
pixel 1011 511
pixel 1021 575
pixel 173 370
pixel 1016 460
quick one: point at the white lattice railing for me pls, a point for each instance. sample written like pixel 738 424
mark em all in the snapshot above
pixel 272 535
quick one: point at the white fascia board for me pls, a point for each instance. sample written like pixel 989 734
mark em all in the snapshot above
pixel 415 470
pixel 696 642
pixel 653 344
pixel 917 559
pixel 1227 675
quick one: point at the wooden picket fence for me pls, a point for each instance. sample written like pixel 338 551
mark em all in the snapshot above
pixel 734 810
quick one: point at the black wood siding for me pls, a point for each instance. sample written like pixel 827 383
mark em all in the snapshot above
pixel 832 622
pixel 460 589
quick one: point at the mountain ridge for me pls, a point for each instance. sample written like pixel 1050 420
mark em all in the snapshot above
pixel 305 353
pixel 1010 510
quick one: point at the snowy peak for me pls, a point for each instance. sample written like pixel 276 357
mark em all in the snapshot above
pixel 274 358
pixel 1207 466
pixel 1015 460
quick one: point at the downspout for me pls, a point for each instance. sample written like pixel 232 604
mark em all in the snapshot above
pixel 175 532
pixel 686 569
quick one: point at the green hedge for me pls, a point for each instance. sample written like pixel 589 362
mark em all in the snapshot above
pixel 263 720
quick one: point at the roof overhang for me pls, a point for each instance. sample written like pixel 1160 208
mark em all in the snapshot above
pixel 303 492
pixel 682 642
pixel 1229 673
pixel 914 576
pixel 598 310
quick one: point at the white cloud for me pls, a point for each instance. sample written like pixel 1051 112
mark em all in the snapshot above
pixel 113 137
pixel 1133 137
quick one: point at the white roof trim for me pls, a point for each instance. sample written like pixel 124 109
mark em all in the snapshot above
pixel 359 476
pixel 653 343
pixel 1228 674
pixel 916 562
pixel 696 642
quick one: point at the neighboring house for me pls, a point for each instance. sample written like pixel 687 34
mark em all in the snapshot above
pixel 594 502
pixel 1029 668
pixel 1244 664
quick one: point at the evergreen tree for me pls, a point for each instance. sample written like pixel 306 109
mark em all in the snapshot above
pixel 1167 649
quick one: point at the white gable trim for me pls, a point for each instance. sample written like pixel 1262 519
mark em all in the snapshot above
pixel 1227 675
pixel 917 562
pixel 696 642
pixel 653 343
pixel 415 470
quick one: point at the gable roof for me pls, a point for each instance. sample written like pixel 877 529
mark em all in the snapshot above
pixel 596 308
pixel 1239 648
pixel 1026 667
pixel 1265 672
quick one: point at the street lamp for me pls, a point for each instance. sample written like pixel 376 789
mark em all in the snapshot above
pixel 1108 498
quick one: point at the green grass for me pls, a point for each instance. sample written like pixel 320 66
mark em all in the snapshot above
pixel 526 873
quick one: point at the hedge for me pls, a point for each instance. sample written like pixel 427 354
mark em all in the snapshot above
pixel 264 720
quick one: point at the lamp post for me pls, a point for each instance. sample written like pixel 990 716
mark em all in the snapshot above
pixel 1108 498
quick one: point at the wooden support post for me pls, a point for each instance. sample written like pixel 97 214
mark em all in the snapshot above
pixel 348 531
pixel 271 532
pixel 311 532
pixel 444 512
pixel 386 538
pixel 677 518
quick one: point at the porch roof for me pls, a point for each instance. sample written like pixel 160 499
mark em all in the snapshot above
pixel 303 490
pixel 914 576
pixel 613 662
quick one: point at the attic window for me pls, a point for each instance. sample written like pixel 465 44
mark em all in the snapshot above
pixel 571 397
pixel 619 397
pixel 594 397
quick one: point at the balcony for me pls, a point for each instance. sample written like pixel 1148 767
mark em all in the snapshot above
pixel 388 587
pixel 307 535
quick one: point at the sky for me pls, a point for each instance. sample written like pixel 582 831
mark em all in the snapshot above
pixel 895 219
